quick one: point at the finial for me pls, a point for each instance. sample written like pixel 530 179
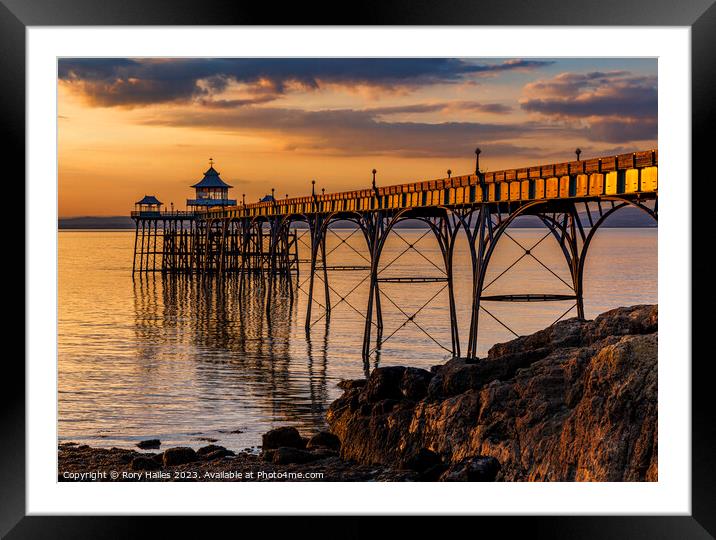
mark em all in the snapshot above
pixel 313 187
pixel 273 190
pixel 211 161
pixel 578 151
pixel 287 195
pixel 477 160
pixel 323 191
pixel 449 173
pixel 243 198
pixel 374 171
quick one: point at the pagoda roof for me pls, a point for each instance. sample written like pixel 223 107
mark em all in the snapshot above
pixel 267 198
pixel 211 179
pixel 149 199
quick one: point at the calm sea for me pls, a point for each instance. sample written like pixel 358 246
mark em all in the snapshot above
pixel 188 361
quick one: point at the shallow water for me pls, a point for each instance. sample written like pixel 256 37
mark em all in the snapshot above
pixel 189 361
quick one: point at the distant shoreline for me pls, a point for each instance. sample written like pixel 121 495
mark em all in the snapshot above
pixel 627 218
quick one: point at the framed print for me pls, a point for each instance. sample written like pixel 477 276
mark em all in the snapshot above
pixel 407 267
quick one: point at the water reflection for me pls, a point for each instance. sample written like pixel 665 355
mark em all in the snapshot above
pixel 224 322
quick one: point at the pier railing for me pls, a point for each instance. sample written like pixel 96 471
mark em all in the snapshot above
pixel 623 174
pixel 163 214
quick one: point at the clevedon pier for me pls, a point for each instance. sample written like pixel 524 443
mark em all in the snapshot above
pixel 218 236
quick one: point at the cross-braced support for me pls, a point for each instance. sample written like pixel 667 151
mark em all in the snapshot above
pixel 444 232
pixel 488 224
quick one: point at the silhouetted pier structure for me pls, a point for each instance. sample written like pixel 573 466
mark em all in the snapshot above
pixel 571 199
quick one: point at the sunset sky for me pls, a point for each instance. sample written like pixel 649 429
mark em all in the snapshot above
pixel 130 127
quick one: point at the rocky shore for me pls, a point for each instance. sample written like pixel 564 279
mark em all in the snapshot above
pixel 283 459
pixel 574 402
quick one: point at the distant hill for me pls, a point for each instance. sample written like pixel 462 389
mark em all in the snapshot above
pixel 624 218
pixel 91 222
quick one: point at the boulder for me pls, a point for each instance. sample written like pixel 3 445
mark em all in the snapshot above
pixel 208 449
pixel 414 383
pixel 149 444
pixel 350 384
pixel 324 439
pixel 384 383
pixel 179 456
pixel 218 454
pixel 282 436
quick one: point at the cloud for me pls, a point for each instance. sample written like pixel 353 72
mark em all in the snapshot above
pixel 621 130
pixel 613 106
pixel 139 82
pixel 362 132
pixel 448 106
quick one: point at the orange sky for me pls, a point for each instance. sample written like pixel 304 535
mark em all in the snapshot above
pixel 133 127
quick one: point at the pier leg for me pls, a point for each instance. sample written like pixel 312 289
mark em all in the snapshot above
pixel 143 256
pixel 154 248
pixel 374 256
pixel 574 267
pixel 136 233
pixel 482 233
pixel 314 253
pixel 326 288
pixel 454 327
pixel 378 313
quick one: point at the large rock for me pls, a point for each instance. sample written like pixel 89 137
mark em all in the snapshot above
pixel 179 456
pixel 208 449
pixel 384 383
pixel 218 454
pixel 414 383
pixel 149 444
pixel 324 439
pixel 576 401
pixel 282 436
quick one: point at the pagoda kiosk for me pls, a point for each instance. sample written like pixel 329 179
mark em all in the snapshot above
pixel 148 206
pixel 211 191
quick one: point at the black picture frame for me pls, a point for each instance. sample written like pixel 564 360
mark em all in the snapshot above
pixel 700 15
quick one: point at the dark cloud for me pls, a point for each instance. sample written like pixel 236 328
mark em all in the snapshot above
pixel 621 130
pixel 137 82
pixel 234 103
pixel 362 132
pixel 447 106
pixel 614 106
